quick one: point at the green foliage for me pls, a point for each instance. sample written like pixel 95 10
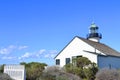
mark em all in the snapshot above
pixel 82 67
pixel 61 78
pixel 82 62
pixel 91 71
pixel 1 68
pixel 33 70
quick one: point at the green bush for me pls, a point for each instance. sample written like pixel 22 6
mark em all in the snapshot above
pixel 33 70
pixel 83 68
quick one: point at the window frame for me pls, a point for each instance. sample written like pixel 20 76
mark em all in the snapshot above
pixel 57 61
pixel 67 60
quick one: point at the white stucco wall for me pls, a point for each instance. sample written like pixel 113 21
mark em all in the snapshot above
pixel 76 48
pixel 109 62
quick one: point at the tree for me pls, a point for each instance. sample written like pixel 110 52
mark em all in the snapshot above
pixel 91 71
pixel 1 68
pixel 82 62
pixel 33 70
pixel 82 67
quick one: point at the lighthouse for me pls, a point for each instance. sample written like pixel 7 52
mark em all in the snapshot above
pixel 94 35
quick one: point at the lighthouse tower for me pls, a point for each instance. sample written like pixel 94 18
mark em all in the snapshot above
pixel 93 33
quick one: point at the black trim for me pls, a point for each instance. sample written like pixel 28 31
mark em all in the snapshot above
pixel 57 61
pixel 93 35
pixel 67 60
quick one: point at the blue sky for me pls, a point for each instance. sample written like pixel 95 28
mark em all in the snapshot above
pixel 36 30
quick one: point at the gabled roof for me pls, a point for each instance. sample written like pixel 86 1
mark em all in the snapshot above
pixel 97 45
pixel 102 47
pixel 64 47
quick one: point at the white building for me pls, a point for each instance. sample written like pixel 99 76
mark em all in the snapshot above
pixel 16 72
pixel 97 52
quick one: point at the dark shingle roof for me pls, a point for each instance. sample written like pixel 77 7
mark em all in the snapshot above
pixel 102 47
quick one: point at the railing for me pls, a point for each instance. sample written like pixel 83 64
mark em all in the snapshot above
pixel 91 35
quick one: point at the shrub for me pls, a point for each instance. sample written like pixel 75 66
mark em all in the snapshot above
pixel 4 76
pixel 33 70
pixel 82 67
pixel 108 74
pixel 57 73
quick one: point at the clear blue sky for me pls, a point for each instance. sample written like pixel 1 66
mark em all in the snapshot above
pixel 36 30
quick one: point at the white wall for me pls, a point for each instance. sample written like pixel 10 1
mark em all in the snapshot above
pixel 16 72
pixel 75 48
pixel 109 61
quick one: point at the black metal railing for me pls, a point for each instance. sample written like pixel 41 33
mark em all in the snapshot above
pixel 91 35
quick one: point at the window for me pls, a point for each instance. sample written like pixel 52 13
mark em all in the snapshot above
pixel 57 61
pixel 79 56
pixel 67 60
pixel 74 62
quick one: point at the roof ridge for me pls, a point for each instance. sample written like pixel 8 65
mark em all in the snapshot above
pixel 101 47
